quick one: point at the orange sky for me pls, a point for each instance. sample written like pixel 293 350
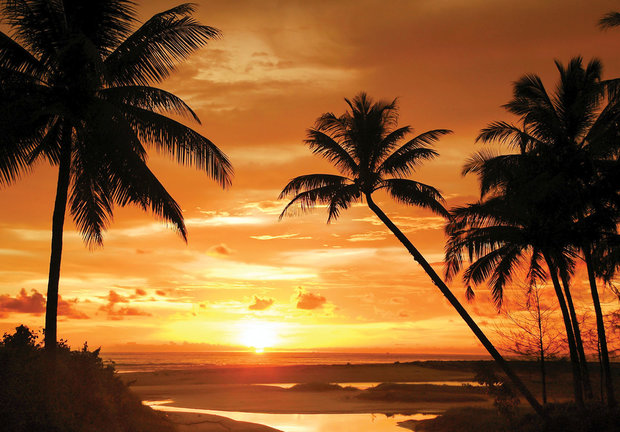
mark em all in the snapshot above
pixel 279 65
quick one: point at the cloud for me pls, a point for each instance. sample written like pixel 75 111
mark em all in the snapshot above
pixel 117 313
pixel 114 297
pixel 160 293
pixel 309 301
pixel 218 219
pixel 23 303
pixel 281 237
pixel 369 236
pixel 267 206
pixel 220 250
pixel 409 224
pixel 398 300
pixel 261 303
pixel 34 304
pixel 140 292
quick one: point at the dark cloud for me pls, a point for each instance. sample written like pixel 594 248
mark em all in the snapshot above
pixel 140 292
pixel 161 293
pixel 34 304
pixel 309 301
pixel 261 303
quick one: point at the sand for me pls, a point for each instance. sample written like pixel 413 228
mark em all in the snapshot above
pixel 244 389
pixel 189 422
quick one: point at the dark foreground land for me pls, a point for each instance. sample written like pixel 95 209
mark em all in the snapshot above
pixel 75 391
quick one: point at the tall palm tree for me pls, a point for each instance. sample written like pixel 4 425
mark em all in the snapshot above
pixel 366 145
pixel 571 138
pixel 75 90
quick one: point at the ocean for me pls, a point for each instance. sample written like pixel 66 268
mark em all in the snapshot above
pixel 154 361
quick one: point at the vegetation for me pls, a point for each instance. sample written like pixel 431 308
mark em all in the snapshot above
pixel 560 418
pixel 530 332
pixel 553 201
pixel 75 91
pixel 365 145
pixel 75 393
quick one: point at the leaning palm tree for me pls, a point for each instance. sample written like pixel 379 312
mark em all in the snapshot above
pixel 366 145
pixel 75 91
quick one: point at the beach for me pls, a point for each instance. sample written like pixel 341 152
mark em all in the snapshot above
pixel 304 390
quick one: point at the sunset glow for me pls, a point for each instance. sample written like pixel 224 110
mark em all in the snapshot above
pixel 244 279
pixel 258 335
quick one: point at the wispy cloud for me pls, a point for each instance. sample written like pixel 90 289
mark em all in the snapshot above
pixel 280 237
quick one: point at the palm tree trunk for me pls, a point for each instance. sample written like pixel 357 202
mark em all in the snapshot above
pixel 417 256
pixel 58 220
pixel 585 373
pixel 600 327
pixel 570 336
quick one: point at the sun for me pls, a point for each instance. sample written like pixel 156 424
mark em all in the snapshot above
pixel 258 335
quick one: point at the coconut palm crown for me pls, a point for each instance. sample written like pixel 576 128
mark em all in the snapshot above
pixel 366 145
pixel 76 91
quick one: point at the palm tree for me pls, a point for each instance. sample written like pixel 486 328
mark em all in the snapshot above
pixel 501 237
pixel 75 91
pixel 570 141
pixel 365 144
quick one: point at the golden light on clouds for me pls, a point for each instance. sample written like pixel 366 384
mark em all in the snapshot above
pixel 246 280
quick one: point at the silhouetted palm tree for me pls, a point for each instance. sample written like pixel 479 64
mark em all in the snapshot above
pixel 570 139
pixel 74 90
pixel 501 238
pixel 365 144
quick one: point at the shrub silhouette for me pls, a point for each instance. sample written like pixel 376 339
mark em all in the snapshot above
pixel 73 392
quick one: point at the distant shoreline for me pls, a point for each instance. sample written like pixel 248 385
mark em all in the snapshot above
pixel 155 361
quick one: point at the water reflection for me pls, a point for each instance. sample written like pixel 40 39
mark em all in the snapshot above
pixel 367 385
pixel 308 422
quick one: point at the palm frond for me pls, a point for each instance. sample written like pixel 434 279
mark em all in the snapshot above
pixel 509 134
pixel 322 144
pixel 103 22
pixel 16 58
pixel 534 105
pixel 136 184
pixel 311 181
pixel 308 199
pixel 148 98
pixel 152 52
pixel 411 154
pixel 187 146
pixel 411 192
pixel 91 206
pixel 610 19
pixel 387 144
pixel 37 25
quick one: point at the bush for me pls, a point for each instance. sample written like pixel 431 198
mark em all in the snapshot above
pixel 72 391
